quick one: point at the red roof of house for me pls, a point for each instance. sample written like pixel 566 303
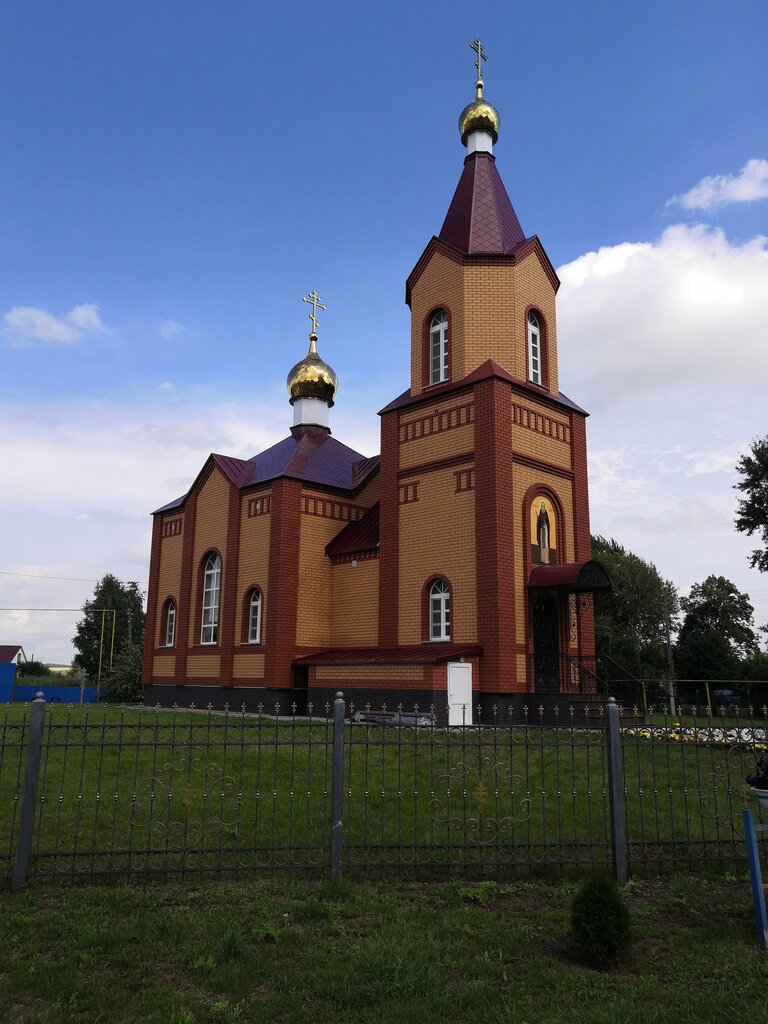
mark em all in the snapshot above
pixel 357 537
pixel 310 455
pixel 425 654
pixel 481 218
pixel 8 652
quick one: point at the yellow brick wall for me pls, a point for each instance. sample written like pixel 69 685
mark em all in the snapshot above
pixel 210 532
pixel 203 666
pixel 253 565
pixel 538 440
pixel 370 673
pixel 523 478
pixel 313 616
pixel 168 580
pixel 248 666
pixel 443 444
pixel 164 666
pixel 369 494
pixel 487 303
pixel 437 537
pixel 355 603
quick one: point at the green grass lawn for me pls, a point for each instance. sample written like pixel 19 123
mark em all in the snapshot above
pixel 134 790
pixel 218 952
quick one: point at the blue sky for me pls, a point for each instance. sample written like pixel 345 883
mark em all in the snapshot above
pixel 176 175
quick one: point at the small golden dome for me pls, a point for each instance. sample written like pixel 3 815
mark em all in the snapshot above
pixel 312 378
pixel 479 116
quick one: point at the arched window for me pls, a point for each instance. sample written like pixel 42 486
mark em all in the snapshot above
pixel 534 349
pixel 439 611
pixel 170 622
pixel 211 586
pixel 254 617
pixel 438 347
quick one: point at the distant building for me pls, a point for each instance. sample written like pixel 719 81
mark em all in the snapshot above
pixel 11 656
pixel 454 568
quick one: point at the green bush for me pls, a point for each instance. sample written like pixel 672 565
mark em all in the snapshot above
pixel 600 920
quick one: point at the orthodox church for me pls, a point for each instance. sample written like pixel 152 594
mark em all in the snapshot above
pixel 454 568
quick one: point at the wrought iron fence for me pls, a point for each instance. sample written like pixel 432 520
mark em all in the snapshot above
pixel 97 790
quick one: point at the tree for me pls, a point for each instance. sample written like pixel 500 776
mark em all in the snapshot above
pixel 717 633
pixel 633 622
pixel 752 511
pixel 124 616
pixel 33 668
pixel 123 681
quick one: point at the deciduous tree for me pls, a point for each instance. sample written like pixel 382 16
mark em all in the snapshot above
pixel 717 633
pixel 752 510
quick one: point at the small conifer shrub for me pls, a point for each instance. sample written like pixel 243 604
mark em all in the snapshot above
pixel 600 920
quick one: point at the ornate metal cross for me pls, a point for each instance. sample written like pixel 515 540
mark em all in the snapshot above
pixel 314 299
pixel 477 46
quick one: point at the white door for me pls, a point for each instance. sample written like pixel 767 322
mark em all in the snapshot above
pixel 459 693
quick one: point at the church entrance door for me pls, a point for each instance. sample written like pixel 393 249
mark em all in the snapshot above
pixel 459 693
pixel 546 643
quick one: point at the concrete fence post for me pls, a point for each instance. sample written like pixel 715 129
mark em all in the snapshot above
pixel 616 793
pixel 337 787
pixel 29 792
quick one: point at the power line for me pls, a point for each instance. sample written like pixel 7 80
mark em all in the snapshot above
pixel 37 576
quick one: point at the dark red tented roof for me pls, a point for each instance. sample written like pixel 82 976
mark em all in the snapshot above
pixel 572 576
pixel 310 455
pixel 426 654
pixel 357 537
pixel 481 217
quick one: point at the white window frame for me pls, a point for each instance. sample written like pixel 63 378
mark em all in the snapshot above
pixel 534 349
pixel 209 626
pixel 254 617
pixel 439 611
pixel 438 348
pixel 170 623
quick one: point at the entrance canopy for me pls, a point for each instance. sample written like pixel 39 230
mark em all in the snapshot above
pixel 571 578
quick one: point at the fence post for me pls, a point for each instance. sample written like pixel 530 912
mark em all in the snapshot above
pixel 29 792
pixel 337 786
pixel 616 793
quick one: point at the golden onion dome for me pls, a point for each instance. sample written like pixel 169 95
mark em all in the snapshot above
pixel 479 116
pixel 312 378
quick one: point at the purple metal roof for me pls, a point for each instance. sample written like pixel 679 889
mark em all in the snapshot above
pixel 310 455
pixel 357 537
pixel 490 368
pixel 481 218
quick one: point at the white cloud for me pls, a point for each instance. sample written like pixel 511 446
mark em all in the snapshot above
pixel 718 189
pixel 171 328
pixel 664 317
pixel 166 385
pixel 24 325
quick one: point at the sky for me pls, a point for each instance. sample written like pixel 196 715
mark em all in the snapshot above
pixel 177 174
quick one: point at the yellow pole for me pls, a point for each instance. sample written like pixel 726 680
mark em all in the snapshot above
pixel 101 644
pixel 709 699
pixel 112 647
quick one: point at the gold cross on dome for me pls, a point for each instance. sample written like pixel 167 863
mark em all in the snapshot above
pixel 314 299
pixel 477 46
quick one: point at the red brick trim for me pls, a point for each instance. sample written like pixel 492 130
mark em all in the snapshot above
pixel 408 493
pixel 436 464
pixel 530 419
pixel 354 556
pixel 160 638
pixel 494 530
pixel 581 527
pixel 228 599
pixel 437 422
pixel 152 609
pixel 389 531
pixel 186 597
pixel 327 508
pixel 542 467
pixel 259 506
pixel 465 480
pixel 173 527
pixel 283 581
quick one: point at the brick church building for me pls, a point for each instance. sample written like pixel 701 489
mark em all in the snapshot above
pixel 453 569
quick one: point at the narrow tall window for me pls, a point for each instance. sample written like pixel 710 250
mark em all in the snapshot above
pixel 211 584
pixel 254 618
pixel 534 349
pixel 439 611
pixel 438 348
pixel 170 623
